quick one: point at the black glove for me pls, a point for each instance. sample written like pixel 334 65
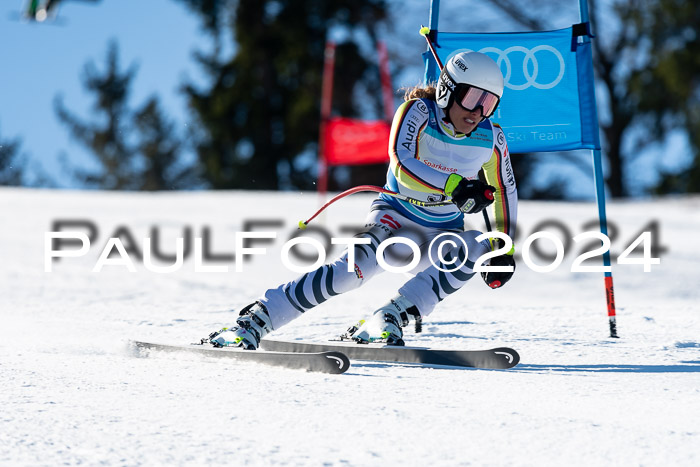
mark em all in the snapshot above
pixel 497 279
pixel 470 196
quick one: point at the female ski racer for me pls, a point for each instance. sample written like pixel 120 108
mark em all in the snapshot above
pixel 441 141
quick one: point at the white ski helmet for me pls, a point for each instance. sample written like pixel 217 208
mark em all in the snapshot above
pixel 470 69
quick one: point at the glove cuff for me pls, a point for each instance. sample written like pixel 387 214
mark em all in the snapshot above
pixel 497 243
pixel 452 182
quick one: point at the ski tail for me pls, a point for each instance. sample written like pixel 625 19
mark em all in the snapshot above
pixel 329 361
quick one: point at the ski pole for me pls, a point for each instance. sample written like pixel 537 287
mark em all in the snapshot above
pixel 425 32
pixel 376 189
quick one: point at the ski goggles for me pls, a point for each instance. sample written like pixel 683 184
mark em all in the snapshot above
pixel 471 98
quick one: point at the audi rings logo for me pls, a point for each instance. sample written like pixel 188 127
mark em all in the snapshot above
pixel 512 57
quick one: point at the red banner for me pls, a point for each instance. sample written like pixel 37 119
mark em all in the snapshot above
pixel 356 142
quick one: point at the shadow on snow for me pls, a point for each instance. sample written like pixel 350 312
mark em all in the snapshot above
pixel 692 367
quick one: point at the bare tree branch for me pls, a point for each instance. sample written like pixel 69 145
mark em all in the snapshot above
pixel 514 11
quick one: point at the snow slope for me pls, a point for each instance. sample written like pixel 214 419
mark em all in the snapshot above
pixel 71 391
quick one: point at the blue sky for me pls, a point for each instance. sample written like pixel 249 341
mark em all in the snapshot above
pixel 39 61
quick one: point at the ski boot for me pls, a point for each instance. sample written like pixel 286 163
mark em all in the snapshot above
pixel 386 323
pixel 252 325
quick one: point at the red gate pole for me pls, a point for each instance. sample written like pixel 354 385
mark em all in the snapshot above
pixel 385 78
pixel 326 100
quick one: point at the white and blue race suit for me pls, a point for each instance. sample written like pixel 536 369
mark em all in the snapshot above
pixel 424 149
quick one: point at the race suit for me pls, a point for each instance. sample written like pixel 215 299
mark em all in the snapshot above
pixel 424 149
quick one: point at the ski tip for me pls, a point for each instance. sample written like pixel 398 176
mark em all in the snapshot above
pixel 509 357
pixel 338 362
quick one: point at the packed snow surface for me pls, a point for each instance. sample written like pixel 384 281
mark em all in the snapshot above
pixel 72 391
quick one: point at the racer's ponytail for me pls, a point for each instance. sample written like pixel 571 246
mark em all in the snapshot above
pixel 420 92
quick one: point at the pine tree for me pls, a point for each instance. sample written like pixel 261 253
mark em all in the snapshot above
pixel 107 138
pixel 259 115
pixel 668 89
pixel 160 150
pixel 11 163
pixel 136 150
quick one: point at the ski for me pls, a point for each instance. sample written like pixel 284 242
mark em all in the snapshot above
pixel 498 358
pixel 325 361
